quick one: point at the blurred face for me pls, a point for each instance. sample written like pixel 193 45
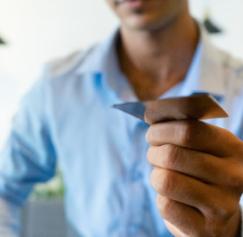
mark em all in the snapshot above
pixel 147 14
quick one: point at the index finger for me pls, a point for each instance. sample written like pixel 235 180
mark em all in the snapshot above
pixel 196 135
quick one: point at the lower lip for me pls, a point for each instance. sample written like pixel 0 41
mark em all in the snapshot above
pixel 131 3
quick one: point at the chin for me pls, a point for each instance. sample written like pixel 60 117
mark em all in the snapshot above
pixel 145 23
pixel 150 14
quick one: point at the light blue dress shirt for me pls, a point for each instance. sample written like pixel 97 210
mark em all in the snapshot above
pixel 67 118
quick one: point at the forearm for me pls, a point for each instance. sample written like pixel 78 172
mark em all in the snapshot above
pixel 9 219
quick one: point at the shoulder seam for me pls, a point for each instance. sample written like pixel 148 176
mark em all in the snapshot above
pixel 66 65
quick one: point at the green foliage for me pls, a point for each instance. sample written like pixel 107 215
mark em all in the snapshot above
pixel 54 189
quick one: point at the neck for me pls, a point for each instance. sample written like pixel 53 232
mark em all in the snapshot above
pixel 154 61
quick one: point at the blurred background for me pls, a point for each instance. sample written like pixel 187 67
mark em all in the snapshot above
pixel 36 31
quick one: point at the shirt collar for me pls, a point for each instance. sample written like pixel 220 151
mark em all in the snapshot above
pixel 102 57
pixel 213 69
pixel 204 75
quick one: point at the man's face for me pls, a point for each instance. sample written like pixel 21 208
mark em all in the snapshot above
pixel 147 14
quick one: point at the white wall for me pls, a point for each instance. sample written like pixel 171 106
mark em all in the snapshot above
pixel 229 15
pixel 42 29
pixel 38 30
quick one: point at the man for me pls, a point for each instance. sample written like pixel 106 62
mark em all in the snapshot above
pixel 159 51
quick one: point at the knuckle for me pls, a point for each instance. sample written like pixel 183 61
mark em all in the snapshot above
pixel 152 134
pixel 222 213
pixel 148 135
pixel 236 183
pixel 155 179
pixel 150 154
pixel 167 183
pixel 213 212
pixel 162 181
pixel 235 179
pixel 170 155
pixel 164 205
pixel 228 210
pixel 186 132
pixel 153 155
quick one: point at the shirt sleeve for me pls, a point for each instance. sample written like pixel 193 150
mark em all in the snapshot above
pixel 29 154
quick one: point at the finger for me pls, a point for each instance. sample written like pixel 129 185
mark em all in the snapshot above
pixel 195 135
pixel 184 220
pixel 184 189
pixel 202 166
pixel 174 230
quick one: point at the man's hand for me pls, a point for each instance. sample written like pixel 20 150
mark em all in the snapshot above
pixel 198 175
